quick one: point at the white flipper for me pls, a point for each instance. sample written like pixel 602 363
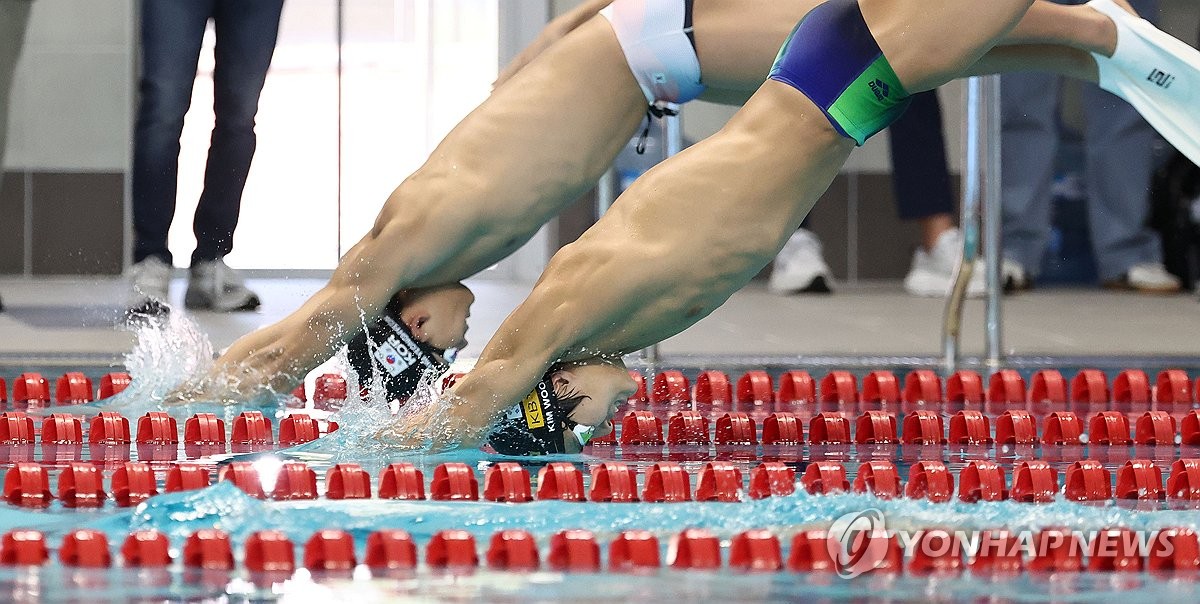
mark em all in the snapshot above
pixel 1157 74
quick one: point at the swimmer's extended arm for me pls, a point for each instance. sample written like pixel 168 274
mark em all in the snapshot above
pixel 278 356
pixel 465 416
pixel 554 31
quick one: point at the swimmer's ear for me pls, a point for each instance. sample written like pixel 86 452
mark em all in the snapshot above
pixel 562 380
pixel 416 321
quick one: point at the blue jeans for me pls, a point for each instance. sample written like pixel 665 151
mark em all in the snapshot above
pixel 1118 167
pixel 172 33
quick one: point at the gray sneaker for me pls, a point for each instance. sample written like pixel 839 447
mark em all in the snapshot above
pixel 148 291
pixel 214 286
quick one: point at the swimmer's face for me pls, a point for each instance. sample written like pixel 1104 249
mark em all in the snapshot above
pixel 441 317
pixel 605 384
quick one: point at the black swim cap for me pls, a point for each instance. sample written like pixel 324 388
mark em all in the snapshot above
pixel 537 425
pixel 398 357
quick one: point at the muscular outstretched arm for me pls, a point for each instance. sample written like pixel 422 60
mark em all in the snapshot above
pixel 486 189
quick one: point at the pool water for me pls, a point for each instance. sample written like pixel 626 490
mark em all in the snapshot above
pixel 224 506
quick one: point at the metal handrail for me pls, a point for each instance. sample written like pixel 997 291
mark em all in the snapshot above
pixel 980 203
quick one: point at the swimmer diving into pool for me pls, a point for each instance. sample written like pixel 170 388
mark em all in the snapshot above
pixel 700 225
pixel 521 156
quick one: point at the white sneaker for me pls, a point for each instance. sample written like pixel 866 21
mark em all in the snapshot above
pixel 215 286
pixel 1014 277
pixel 1147 278
pixel 1156 73
pixel 799 267
pixel 932 272
pixel 151 278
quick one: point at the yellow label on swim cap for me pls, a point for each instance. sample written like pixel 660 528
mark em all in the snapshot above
pixel 532 405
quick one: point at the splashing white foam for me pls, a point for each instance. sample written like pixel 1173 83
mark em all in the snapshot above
pixel 172 354
pixel 169 351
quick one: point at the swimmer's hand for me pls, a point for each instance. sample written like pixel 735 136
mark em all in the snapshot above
pixel 431 428
pixel 219 388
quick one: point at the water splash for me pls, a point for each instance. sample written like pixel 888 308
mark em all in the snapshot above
pixel 369 431
pixel 171 352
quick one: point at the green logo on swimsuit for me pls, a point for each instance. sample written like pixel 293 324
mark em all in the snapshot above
pixel 871 102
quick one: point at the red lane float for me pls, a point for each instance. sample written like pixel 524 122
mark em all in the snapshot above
pixel 772 479
pixel 881 387
pixel 204 429
pixel 694 549
pixel 670 387
pixel 930 480
pixel 875 428
pixel 719 481
pixel 132 483
pixel 1131 386
pixel 513 550
pixel 796 387
pixel 922 386
pixel 736 429
pixel 350 481
pixel 879 478
pixel 839 387
pixel 1109 428
pixel 157 428
pixel 560 480
pixel 1048 386
pixel 1015 427
pixel 390 549
pixel 965 387
pixel 1088 480
pixel 507 482
pixel 782 428
pixel 755 388
pixel 1090 387
pixel 970 428
pixel 401 481
pixel 713 388
pixel 574 551
pixel 109 428
pixel 208 549
pixel 112 384
pixel 330 550
pixel 73 388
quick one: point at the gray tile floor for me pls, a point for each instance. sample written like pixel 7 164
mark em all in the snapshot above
pixel 60 321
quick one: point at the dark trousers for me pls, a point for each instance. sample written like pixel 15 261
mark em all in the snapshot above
pixel 172 33
pixel 919 173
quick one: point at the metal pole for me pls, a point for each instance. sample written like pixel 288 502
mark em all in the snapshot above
pixel 968 223
pixel 990 115
pixel 606 191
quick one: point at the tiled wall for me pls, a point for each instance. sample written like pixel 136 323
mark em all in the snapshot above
pixel 62 199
